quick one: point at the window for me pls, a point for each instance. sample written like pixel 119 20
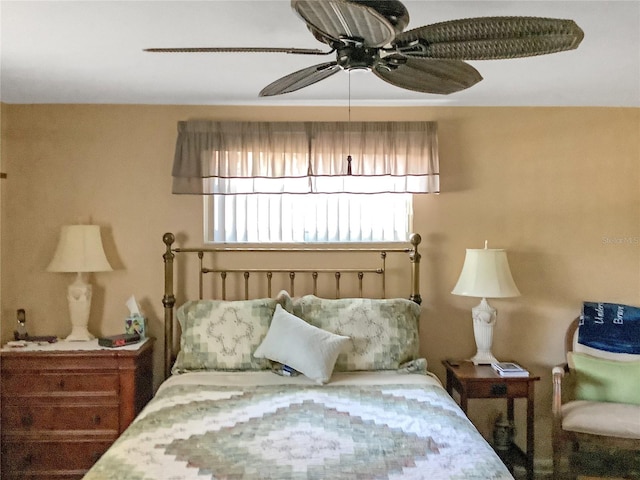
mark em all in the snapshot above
pixel 297 182
pixel 313 218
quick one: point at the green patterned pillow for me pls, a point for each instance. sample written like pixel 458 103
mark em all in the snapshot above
pixel 285 301
pixel 222 335
pixel 383 332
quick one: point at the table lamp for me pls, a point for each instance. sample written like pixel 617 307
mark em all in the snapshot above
pixel 485 274
pixel 79 250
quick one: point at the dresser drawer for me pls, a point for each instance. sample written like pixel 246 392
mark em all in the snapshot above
pixel 497 390
pixel 32 417
pixel 43 456
pixel 53 383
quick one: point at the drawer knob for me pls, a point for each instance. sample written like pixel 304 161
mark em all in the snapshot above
pixel 61 384
pixel 499 389
pixel 28 460
pixel 26 420
pixel 96 419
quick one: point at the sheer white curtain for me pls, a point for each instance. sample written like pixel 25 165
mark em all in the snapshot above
pixel 398 157
pixel 241 157
pixel 230 158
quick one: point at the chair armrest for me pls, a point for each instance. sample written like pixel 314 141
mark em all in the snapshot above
pixel 558 374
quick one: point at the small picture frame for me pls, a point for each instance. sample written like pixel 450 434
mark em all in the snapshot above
pixel 136 324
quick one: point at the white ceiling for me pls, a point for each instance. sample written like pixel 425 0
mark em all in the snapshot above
pixel 91 52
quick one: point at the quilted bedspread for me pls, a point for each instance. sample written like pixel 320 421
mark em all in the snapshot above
pixel 342 430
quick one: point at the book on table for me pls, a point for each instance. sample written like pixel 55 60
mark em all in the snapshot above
pixel 509 369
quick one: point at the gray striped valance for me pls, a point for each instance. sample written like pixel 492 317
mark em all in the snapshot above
pixel 305 157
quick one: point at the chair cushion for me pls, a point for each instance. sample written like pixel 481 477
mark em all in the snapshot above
pixel 602 418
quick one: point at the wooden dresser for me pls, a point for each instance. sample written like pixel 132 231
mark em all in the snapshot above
pixel 61 409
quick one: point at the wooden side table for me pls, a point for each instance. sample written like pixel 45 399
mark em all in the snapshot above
pixel 481 381
pixel 64 404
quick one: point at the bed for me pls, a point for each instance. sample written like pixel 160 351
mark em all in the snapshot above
pixel 297 387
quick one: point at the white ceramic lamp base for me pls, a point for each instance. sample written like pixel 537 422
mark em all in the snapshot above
pixel 484 318
pixel 79 297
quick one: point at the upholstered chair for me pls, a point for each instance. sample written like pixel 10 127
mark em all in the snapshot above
pixel 607 429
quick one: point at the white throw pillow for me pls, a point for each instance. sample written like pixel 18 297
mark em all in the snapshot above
pixel 305 348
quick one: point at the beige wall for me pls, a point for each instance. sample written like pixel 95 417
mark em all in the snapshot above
pixel 559 188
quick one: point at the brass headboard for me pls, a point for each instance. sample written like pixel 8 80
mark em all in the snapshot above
pixel 169 299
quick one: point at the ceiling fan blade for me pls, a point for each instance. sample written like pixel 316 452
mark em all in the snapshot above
pixel 300 79
pixel 426 75
pixel 393 10
pixel 300 51
pixel 490 38
pixel 334 20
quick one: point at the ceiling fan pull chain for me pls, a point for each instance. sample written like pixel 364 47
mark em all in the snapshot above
pixel 349 159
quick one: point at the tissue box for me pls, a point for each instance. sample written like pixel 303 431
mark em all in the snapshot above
pixel 136 324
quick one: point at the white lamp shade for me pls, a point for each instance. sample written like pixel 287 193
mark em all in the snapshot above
pixel 486 274
pixel 79 250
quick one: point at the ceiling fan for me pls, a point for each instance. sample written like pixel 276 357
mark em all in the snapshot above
pixel 369 34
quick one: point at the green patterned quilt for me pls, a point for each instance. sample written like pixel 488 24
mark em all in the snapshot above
pixel 341 431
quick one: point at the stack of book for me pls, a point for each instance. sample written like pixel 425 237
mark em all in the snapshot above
pixel 509 369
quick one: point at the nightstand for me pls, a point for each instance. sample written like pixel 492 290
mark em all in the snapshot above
pixel 481 381
pixel 64 404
